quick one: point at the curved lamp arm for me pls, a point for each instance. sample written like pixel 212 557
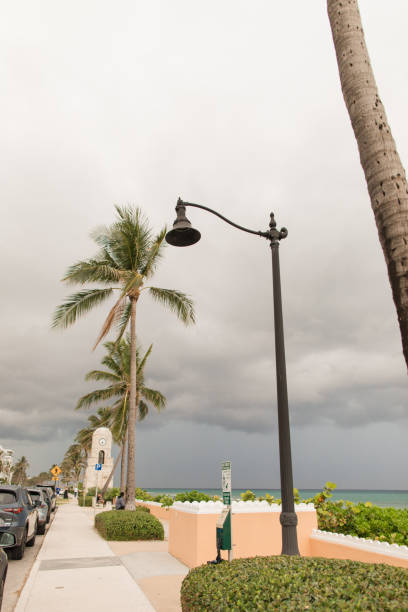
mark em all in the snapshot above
pixel 181 202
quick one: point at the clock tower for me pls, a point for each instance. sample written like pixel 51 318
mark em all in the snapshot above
pixel 101 452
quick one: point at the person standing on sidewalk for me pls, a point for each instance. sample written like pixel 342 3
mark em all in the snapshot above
pixel 120 502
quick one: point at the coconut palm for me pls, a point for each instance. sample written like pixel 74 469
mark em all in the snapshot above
pixel 117 375
pixel 385 175
pixel 20 471
pixel 127 259
pixel 73 463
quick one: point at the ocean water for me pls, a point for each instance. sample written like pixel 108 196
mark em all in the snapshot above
pixel 396 499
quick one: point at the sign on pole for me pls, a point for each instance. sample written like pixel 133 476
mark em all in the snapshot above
pixel 226 482
pixel 98 467
pixel 56 470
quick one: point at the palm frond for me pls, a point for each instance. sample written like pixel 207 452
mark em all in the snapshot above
pixel 97 396
pixel 115 313
pixel 101 375
pixel 79 304
pixel 155 254
pixel 143 410
pixel 123 322
pixel 176 301
pixel 154 397
pixel 130 238
pixel 141 364
pixel 92 271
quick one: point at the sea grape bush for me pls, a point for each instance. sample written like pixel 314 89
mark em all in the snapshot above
pixel 294 583
pixel 362 519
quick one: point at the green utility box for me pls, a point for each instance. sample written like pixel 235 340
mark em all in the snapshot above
pixel 224 531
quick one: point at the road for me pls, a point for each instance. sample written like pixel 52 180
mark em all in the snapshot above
pixel 18 572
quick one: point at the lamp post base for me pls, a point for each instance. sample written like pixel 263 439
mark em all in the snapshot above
pixel 289 520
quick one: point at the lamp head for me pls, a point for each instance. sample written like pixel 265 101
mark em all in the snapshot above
pixel 182 234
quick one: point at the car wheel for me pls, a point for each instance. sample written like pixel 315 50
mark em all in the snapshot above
pixel 41 529
pixel 18 551
pixel 32 541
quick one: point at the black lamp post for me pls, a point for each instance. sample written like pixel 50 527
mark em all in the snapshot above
pixel 183 234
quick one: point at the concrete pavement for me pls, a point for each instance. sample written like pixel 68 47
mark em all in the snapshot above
pixel 77 570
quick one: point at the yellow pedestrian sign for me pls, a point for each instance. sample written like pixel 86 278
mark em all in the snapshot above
pixel 56 470
pixel 55 478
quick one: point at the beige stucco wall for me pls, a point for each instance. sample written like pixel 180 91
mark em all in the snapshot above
pixel 357 551
pixel 192 537
pixel 158 511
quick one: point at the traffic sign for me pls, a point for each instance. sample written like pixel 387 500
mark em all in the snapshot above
pixel 56 470
pixel 98 467
pixel 55 478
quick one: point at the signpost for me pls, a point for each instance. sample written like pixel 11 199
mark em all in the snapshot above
pixel 98 468
pixel 55 471
pixel 226 498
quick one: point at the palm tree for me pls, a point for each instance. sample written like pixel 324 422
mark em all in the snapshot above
pixel 117 374
pixel 385 175
pixel 20 471
pixel 128 257
pixel 73 463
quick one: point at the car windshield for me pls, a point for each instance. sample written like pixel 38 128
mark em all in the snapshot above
pixel 7 497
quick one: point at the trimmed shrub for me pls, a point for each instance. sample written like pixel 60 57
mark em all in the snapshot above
pixel 128 525
pixel 294 583
pixel 85 502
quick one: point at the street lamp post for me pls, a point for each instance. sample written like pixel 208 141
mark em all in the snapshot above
pixel 183 234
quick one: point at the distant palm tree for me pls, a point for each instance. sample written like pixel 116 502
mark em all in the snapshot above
pixel 128 257
pixel 117 374
pixel 73 463
pixel 20 471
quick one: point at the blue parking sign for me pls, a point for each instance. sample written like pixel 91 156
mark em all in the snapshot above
pixel 98 466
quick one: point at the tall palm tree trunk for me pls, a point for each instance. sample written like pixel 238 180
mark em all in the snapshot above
pixel 130 479
pixel 106 485
pixel 384 173
pixel 123 465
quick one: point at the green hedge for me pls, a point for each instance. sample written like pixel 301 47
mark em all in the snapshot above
pixel 294 583
pixel 128 525
pixel 85 502
pixel 365 521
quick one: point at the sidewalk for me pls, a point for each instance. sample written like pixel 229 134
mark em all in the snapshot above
pixel 77 570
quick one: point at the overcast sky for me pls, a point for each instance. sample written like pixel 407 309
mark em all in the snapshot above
pixel 235 105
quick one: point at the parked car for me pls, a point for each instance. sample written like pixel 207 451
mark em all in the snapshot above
pixel 19 516
pixel 51 494
pixel 6 540
pixel 39 498
pixel 48 500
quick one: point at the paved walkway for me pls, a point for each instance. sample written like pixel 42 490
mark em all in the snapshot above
pixel 76 570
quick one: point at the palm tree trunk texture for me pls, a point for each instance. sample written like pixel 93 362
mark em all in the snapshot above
pixel 130 480
pixel 123 465
pixel 384 173
pixel 106 485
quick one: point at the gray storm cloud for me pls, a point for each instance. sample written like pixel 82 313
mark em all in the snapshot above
pixel 143 103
